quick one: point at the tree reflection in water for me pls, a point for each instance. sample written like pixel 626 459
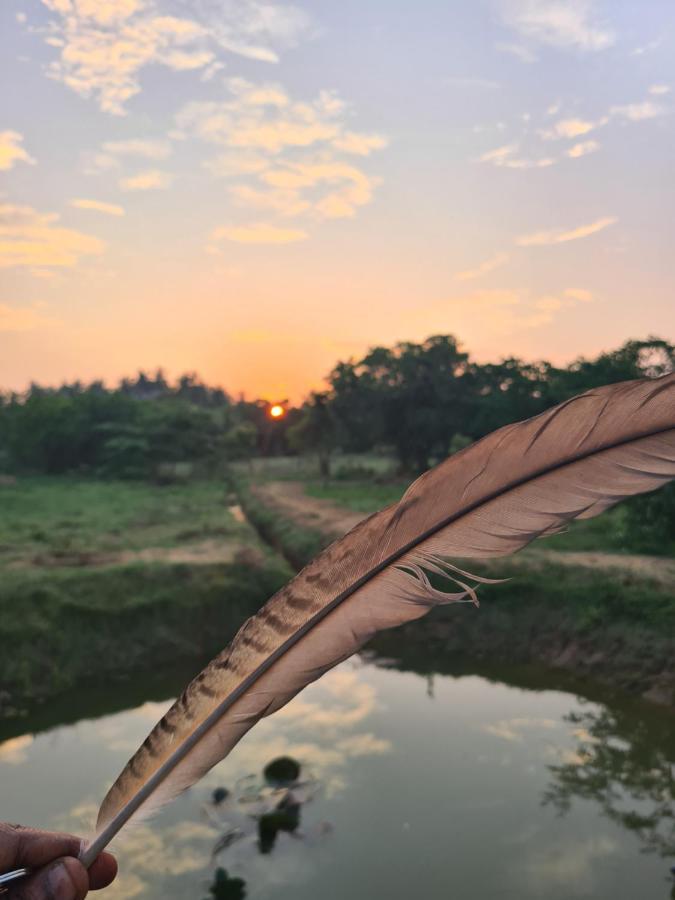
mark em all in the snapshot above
pixel 226 888
pixel 619 765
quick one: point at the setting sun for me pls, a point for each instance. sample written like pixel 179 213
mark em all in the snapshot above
pixel 277 411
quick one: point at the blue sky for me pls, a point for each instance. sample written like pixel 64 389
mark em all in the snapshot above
pixel 254 190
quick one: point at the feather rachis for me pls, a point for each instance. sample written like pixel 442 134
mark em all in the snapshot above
pixel 488 500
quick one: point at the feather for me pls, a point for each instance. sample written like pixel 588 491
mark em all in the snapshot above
pixel 491 499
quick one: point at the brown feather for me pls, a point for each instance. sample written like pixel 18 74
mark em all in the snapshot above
pixel 491 499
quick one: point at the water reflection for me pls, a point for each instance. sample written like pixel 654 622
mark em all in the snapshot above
pixel 226 888
pixel 617 765
pixel 262 807
pixel 418 775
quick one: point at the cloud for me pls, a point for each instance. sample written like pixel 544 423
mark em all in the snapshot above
pixel 14 751
pixel 659 89
pixel 285 202
pixel 360 144
pixel 585 296
pixel 646 48
pixel 524 54
pixel 637 112
pixel 558 23
pixel 103 46
pixel 110 209
pixel 569 128
pixel 503 312
pixel 32 239
pixel 263 118
pixel 11 152
pixel 143 147
pixel 503 157
pixel 558 236
pixel 258 233
pixel 285 154
pixel 348 187
pixel 150 180
pixel 499 259
pixel 583 149
pixel 499 153
pixel 512 729
pixel 236 163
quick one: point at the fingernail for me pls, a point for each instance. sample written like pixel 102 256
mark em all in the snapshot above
pixel 60 883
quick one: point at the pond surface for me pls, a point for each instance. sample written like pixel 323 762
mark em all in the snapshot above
pixel 467 784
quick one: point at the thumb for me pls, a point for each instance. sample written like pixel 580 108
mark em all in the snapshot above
pixel 63 879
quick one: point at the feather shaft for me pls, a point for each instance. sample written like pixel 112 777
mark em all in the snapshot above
pixel 573 461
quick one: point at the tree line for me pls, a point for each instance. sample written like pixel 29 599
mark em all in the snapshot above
pixel 419 401
pixel 423 401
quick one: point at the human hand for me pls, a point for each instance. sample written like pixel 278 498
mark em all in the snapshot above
pixel 57 873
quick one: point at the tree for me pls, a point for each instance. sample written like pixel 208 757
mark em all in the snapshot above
pixel 316 431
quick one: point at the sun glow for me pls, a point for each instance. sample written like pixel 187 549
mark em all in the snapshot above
pixel 277 411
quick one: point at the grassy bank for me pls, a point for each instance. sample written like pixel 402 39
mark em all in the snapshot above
pixel 62 627
pixel 612 624
pixel 295 543
pixel 74 610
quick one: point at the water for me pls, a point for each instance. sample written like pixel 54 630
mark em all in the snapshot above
pixel 469 784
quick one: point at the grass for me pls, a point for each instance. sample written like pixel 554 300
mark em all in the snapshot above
pixel 62 625
pixel 71 517
pixel 93 625
pixel 605 534
pixel 296 544
pixel 360 496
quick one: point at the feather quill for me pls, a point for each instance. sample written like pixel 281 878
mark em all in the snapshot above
pixel 491 499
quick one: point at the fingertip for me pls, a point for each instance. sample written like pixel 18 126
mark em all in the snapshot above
pixel 102 871
pixel 64 879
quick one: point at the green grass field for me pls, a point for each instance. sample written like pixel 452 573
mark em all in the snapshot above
pixel 71 612
pixel 71 517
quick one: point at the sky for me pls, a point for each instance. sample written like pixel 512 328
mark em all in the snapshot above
pixel 254 190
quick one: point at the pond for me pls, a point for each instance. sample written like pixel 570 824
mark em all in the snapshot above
pixel 468 784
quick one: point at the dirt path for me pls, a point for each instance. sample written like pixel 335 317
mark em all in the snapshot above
pixel 309 512
pixel 289 498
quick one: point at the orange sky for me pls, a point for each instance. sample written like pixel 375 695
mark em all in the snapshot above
pixel 253 198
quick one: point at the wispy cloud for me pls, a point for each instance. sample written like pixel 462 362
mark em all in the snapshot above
pixel 561 236
pixel 32 239
pixel 348 187
pixel 109 209
pixel 569 128
pixel 498 154
pixel 558 23
pixel 151 180
pixel 143 147
pixel 489 265
pixel 581 294
pixel 637 112
pixel 103 45
pixel 360 144
pixel 583 149
pixel 504 312
pixel 504 157
pixel 285 156
pixel 524 54
pixel 659 90
pixel 263 118
pixel 11 151
pixel 646 48
pixel 259 233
